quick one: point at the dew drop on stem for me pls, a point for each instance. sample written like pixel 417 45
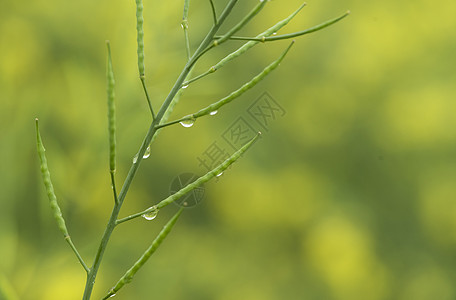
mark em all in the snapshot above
pixel 151 214
pixel 219 174
pixel 212 113
pixel 147 153
pixel 187 123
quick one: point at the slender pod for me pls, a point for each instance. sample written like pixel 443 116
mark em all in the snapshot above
pixel 208 176
pixel 294 34
pixel 247 46
pixel 211 174
pixel 140 51
pixel 56 212
pixel 140 37
pixel 215 106
pixel 244 88
pixel 55 209
pixel 128 276
pixel 111 112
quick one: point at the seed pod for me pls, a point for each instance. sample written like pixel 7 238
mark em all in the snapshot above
pixel 111 113
pixel 140 37
pixel 56 212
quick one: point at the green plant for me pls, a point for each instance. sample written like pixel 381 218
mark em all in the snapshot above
pixel 160 120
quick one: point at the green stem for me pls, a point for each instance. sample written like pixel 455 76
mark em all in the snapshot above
pixel 150 133
pixel 143 82
pixel 214 14
pixel 134 216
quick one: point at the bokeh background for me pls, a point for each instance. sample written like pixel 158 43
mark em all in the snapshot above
pixel 351 194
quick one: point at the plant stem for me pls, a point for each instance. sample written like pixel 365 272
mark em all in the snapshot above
pixel 150 133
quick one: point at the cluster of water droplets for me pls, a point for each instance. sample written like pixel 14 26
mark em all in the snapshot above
pixel 151 213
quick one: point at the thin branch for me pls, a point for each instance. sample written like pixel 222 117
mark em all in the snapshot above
pixel 214 13
pixel 134 216
pixel 76 252
pixel 294 34
pixel 143 82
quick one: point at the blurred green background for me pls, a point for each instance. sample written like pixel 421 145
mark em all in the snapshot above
pixel 350 195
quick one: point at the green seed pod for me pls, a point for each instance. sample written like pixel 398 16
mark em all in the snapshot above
pixel 111 113
pixel 56 212
pixel 250 44
pixel 215 106
pixel 211 174
pixel 128 276
pixel 140 37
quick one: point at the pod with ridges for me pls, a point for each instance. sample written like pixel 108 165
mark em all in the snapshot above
pixel 128 276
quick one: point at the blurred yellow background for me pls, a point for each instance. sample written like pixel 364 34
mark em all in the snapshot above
pixel 351 194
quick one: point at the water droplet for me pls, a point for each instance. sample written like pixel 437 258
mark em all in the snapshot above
pixel 219 174
pixel 187 123
pixel 147 153
pixel 135 159
pixel 275 33
pixel 213 112
pixel 112 295
pixel 185 86
pixel 151 214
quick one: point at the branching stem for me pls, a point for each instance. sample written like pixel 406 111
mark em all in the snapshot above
pixel 150 133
